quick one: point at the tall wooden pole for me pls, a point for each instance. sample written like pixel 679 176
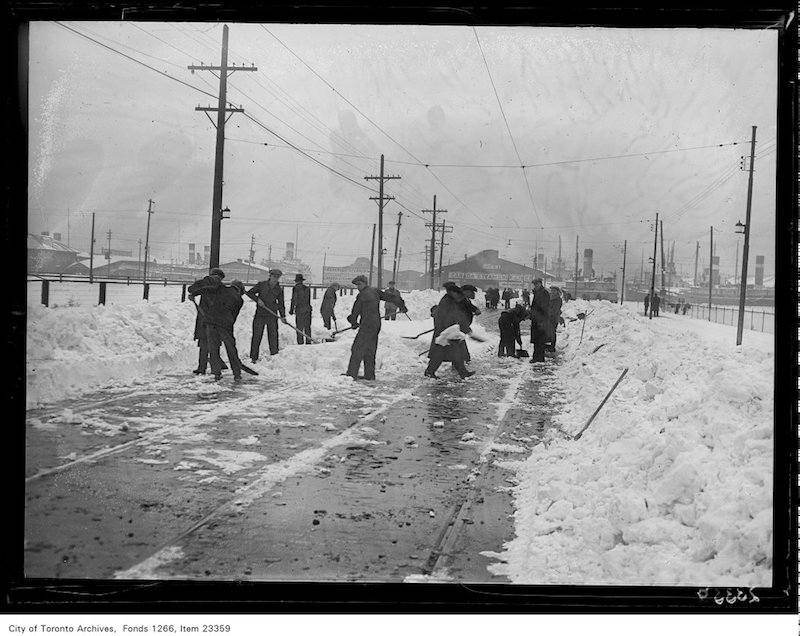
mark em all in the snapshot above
pixel 746 247
pixel 710 270
pixel 653 279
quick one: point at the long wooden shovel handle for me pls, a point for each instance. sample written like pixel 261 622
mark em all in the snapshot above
pixel 608 395
pixel 283 320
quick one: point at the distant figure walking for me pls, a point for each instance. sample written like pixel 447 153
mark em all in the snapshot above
pixel 328 303
pixel 507 296
pixel 656 304
pixel 526 298
pixel 646 304
pixel 300 307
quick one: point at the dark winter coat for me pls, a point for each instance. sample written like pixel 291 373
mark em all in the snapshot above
pixel 208 285
pixel 540 313
pixel 301 299
pixel 451 312
pixel 328 302
pixel 224 302
pixel 272 297
pixel 395 299
pixel 366 310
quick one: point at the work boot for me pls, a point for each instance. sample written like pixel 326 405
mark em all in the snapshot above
pixel 468 374
pixel 237 378
pixel 199 371
pixel 431 375
pixel 217 377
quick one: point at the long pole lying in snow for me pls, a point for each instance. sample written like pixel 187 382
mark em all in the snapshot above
pixel 608 395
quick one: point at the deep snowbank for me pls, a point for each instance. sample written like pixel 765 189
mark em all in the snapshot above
pixel 672 482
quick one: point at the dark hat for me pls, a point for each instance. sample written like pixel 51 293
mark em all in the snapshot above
pixel 360 279
pixel 536 280
pixel 469 287
pixel 298 277
pixel 216 271
pixel 275 272
pixel 337 285
pixel 449 285
pixel 391 282
pixel 238 285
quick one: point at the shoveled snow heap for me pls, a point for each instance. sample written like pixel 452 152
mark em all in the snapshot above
pixel 75 349
pixel 672 482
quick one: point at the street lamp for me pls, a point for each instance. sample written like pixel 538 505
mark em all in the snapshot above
pixel 225 213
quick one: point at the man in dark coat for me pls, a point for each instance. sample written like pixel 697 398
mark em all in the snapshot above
pixel 268 295
pixel 526 298
pixel 507 296
pixel 450 311
pixel 509 330
pixel 540 319
pixel 656 304
pixel 555 316
pixel 300 307
pixel 328 303
pixel 199 324
pixel 366 317
pixel 219 320
pixel 646 303
pixel 391 306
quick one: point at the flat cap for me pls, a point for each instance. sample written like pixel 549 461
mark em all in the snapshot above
pixel 360 279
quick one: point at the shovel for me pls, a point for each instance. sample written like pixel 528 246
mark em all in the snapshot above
pixel 283 320
pixel 245 368
pixel 418 335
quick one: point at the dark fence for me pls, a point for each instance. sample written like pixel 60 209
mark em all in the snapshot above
pixel 60 290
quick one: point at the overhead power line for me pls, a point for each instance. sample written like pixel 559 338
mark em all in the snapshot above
pixel 508 128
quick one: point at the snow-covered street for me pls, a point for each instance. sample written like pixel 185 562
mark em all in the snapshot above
pixel 300 473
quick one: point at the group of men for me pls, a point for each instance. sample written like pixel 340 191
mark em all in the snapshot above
pixel 544 312
pixel 220 304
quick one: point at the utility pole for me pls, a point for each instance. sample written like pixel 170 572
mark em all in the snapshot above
pixel 624 256
pixel 396 243
pixel 324 259
pixel 252 254
pixel 399 256
pixel 444 229
pixel 653 279
pixel 380 199
pixel 736 265
pixel 371 255
pixel 91 254
pixel 710 271
pixel 663 267
pixel 696 255
pixel 641 271
pixel 147 239
pixel 433 226
pixel 222 71
pixel 746 248
pixel 108 254
pixel 139 262
pixel 576 267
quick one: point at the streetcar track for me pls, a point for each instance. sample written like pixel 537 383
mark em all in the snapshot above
pixel 265 478
pixel 152 438
pixel 441 552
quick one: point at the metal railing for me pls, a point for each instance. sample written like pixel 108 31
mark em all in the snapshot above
pixel 62 290
pixel 762 319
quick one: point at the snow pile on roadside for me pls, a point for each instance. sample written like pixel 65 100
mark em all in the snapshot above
pixel 72 350
pixel 672 482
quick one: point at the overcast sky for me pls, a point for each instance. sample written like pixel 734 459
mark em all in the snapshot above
pixel 612 126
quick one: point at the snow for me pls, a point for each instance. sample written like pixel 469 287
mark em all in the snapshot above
pixel 670 485
pixel 672 482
